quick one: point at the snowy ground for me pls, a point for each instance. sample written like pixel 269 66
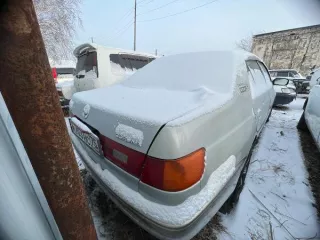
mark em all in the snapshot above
pixel 276 201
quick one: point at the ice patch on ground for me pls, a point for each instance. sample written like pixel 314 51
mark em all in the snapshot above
pixel 129 134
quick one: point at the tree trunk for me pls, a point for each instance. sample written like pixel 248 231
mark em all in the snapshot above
pixel 29 91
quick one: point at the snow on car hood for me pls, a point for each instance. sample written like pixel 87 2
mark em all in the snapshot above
pixel 142 111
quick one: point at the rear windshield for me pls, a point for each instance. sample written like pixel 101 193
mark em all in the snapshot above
pixel 87 63
pixel 189 72
pixel 61 71
pixel 128 62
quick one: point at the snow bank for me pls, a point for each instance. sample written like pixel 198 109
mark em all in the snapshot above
pixel 129 134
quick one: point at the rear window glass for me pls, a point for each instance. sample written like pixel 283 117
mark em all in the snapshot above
pixel 264 71
pixel 282 74
pixel 127 62
pixel 273 74
pixel 198 71
pixel 87 63
pixel 61 71
pixel 256 72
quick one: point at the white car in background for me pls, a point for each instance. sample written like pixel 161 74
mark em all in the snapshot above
pixel 315 78
pixel 171 144
pixel 285 91
pixel 285 73
pixel 99 66
pixel 63 73
pixel 311 115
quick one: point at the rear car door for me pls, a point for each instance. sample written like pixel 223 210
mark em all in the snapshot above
pixel 260 94
pixel 312 113
pixel 269 85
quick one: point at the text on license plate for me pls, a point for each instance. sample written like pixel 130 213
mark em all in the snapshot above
pixel 88 138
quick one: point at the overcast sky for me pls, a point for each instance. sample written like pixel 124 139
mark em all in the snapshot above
pixel 216 25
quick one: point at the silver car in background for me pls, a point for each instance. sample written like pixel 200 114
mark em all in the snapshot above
pixel 171 144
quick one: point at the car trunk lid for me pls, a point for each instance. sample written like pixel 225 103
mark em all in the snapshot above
pixel 133 116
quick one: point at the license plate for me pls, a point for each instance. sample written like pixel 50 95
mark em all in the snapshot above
pixel 87 137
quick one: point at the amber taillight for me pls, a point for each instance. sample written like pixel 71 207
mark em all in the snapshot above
pixel 174 175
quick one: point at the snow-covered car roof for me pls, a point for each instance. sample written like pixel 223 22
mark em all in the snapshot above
pixel 214 70
pixel 283 70
pixel 93 46
pixel 62 63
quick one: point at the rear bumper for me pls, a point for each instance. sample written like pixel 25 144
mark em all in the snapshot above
pixel 284 98
pixel 143 210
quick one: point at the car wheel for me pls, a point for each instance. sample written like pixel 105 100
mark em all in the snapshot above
pixel 234 197
pixel 302 123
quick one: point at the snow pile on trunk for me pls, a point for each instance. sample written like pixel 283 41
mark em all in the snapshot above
pixel 129 134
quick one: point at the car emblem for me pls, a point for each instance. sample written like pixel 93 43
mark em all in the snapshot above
pixel 86 111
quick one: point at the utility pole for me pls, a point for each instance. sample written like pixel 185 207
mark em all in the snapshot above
pixel 135 25
pixel 156 52
pixel 30 94
pixel 92 39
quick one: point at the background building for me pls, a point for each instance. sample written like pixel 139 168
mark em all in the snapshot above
pixel 297 48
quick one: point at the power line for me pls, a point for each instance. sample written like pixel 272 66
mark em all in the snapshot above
pixel 123 31
pixel 178 13
pixel 120 32
pixel 141 1
pixel 150 1
pixel 158 7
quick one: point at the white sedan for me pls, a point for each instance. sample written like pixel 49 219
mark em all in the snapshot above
pixel 311 116
pixel 171 144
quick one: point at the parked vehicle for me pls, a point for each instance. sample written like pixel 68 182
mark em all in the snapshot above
pixel 285 94
pixel 292 87
pixel 315 78
pixel 65 91
pixel 63 74
pixel 171 144
pixel 302 85
pixel 99 66
pixel 285 73
pixel 310 118
pixel 63 71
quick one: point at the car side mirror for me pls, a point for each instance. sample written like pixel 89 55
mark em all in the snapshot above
pixel 280 81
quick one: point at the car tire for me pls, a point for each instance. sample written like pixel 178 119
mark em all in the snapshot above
pixel 302 123
pixel 234 197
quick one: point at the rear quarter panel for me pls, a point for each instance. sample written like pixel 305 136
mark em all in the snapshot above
pixel 227 131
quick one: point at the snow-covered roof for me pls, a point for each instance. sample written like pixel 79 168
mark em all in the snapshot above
pixel 282 70
pixel 214 70
pixel 93 46
pixel 62 63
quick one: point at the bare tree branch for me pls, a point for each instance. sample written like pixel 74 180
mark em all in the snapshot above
pixel 58 20
pixel 245 44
